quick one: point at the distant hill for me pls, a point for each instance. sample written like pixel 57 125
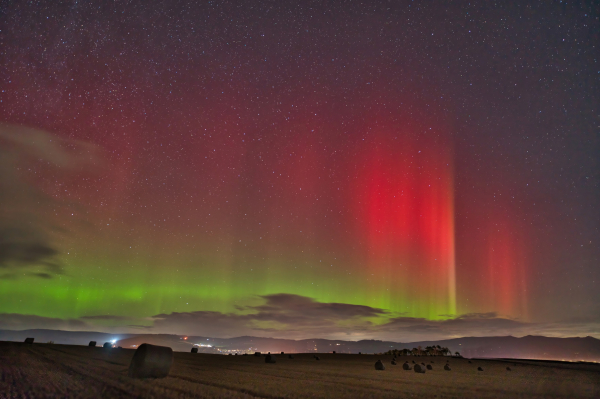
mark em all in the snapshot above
pixel 529 347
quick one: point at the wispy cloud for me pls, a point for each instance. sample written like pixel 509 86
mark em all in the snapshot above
pixel 26 212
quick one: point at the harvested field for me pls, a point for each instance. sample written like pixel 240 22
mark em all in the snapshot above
pixel 47 370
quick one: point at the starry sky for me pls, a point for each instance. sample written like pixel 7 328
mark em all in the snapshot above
pixel 394 170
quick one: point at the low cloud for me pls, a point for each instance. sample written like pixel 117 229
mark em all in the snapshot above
pixel 283 315
pixel 15 321
pixel 298 317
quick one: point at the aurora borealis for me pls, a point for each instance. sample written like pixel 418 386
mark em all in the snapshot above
pixel 359 170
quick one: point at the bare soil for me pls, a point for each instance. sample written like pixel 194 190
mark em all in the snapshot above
pixel 57 371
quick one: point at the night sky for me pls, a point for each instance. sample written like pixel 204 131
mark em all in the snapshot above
pixel 390 170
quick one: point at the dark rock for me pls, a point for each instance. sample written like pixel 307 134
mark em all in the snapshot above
pixel 379 365
pixel 151 361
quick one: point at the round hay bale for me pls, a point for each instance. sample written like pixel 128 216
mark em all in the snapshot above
pixel 282 353
pixel 334 352
pixel 508 369
pixel 92 343
pixel 194 350
pixel 429 367
pixel 406 366
pixel 469 362
pixel 256 353
pixel 394 362
pixel 379 365
pixel 413 362
pixel 29 341
pixel 151 361
pixel 419 368
pixel 107 345
pixel 290 356
pixel 270 359
pixel 447 367
pixel 317 358
pixel 479 368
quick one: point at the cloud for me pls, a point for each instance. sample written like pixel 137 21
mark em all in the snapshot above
pixel 283 315
pixel 15 321
pixel 105 317
pixel 27 214
pixel 298 317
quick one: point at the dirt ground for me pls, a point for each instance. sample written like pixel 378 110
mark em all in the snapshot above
pixel 57 371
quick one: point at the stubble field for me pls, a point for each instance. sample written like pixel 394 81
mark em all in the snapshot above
pixel 46 370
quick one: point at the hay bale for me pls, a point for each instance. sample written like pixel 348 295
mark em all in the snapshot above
pixel 290 356
pixel 317 358
pixel 447 367
pixel 334 352
pixel 92 343
pixel 413 362
pixel 429 367
pixel 151 361
pixel 508 369
pixel 479 368
pixel 419 368
pixel 379 365
pixel 406 366
pixel 270 359
pixel 29 341
pixel 257 354
pixel 394 362
pixel 107 345
pixel 469 362
pixel 194 350
pixel 282 353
